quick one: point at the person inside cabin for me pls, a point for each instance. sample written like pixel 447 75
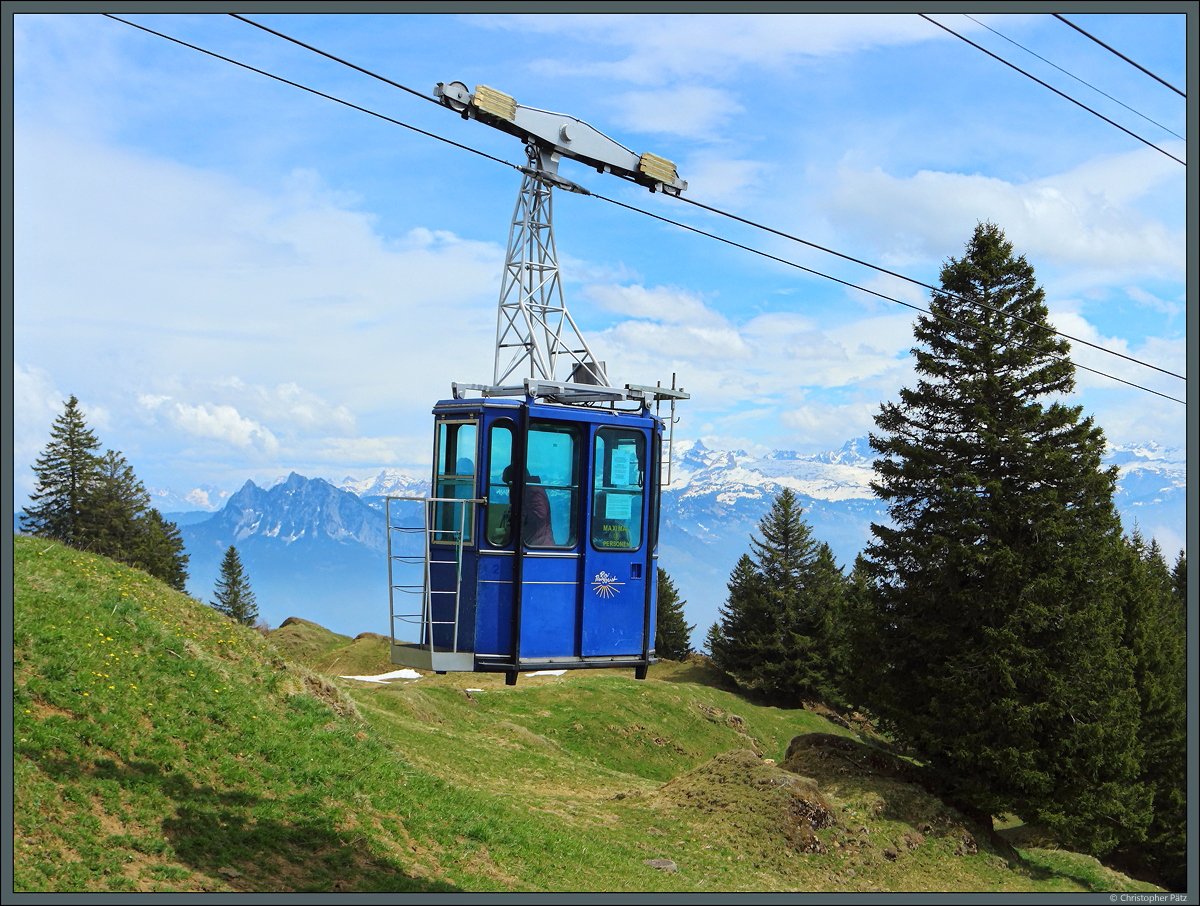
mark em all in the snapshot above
pixel 535 507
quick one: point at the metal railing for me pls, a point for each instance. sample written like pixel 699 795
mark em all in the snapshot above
pixel 418 565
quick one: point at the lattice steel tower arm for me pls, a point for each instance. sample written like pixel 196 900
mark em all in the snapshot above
pixel 534 331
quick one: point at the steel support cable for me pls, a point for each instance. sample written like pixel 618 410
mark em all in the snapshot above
pixel 1075 77
pixel 328 97
pixel 685 226
pixel 880 295
pixel 753 223
pixel 936 289
pixel 1144 141
pixel 1117 52
pixel 330 56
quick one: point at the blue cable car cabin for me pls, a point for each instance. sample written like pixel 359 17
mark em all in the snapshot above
pixel 540 540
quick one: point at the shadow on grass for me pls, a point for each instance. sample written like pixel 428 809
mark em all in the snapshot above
pixel 243 840
pixel 697 674
pixel 1082 874
pixel 1038 852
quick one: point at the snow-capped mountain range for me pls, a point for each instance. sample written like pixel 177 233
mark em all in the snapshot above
pixel 388 483
pixel 834 475
pixel 317 549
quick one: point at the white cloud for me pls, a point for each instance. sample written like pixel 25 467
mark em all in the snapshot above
pixel 168 272
pixel 803 354
pixel 889 288
pixel 1170 307
pixel 36 400
pixel 824 424
pixel 353 452
pixel 702 346
pixel 661 303
pixel 762 358
pixel 152 401
pixel 224 424
pixel 293 411
pixel 691 111
pixel 1165 353
pixel 661 47
pixel 716 179
pixel 1062 220
pixel 36 405
pixel 756 377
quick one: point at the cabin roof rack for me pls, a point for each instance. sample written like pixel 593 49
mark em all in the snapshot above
pixel 571 392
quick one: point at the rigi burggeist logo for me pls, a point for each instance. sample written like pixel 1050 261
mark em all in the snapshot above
pixel 605 585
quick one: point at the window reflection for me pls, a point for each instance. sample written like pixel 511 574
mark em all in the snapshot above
pixel 551 502
pixel 617 486
pixel 455 479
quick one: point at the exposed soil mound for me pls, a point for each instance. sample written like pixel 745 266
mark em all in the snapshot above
pixel 823 754
pixel 740 791
pixel 879 787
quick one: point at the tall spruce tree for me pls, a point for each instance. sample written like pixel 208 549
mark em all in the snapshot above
pixel 672 634
pixel 66 475
pixel 775 629
pixel 1156 634
pixel 743 638
pixel 1000 655
pixel 232 591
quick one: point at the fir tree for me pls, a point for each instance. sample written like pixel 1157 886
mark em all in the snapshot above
pixel 98 503
pixel 1179 580
pixel 232 592
pixel 746 635
pixel 1000 655
pixel 66 474
pixel 115 509
pixel 1155 634
pixel 160 550
pixel 713 639
pixel 856 638
pixel 672 634
pixel 776 626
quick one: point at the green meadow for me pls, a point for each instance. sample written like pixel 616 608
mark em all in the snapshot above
pixel 158 746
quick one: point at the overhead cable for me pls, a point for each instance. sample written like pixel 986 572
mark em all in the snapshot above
pixel 916 282
pixel 323 53
pixel 1062 18
pixel 760 226
pixel 322 94
pixel 1075 77
pixel 872 292
pixel 692 228
pixel 1144 141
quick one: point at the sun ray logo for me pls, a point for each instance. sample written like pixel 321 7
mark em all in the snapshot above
pixel 605 585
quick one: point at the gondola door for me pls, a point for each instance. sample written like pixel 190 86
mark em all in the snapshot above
pixel 550 561
pixel 616 551
pixel 498 566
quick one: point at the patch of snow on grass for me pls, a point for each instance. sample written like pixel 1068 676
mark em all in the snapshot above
pixel 406 673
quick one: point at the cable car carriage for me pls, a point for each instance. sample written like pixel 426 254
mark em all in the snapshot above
pixel 537 547
pixel 540 538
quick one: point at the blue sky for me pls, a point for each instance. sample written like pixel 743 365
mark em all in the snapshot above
pixel 239 279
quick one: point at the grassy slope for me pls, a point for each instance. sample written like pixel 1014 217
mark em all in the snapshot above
pixel 159 747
